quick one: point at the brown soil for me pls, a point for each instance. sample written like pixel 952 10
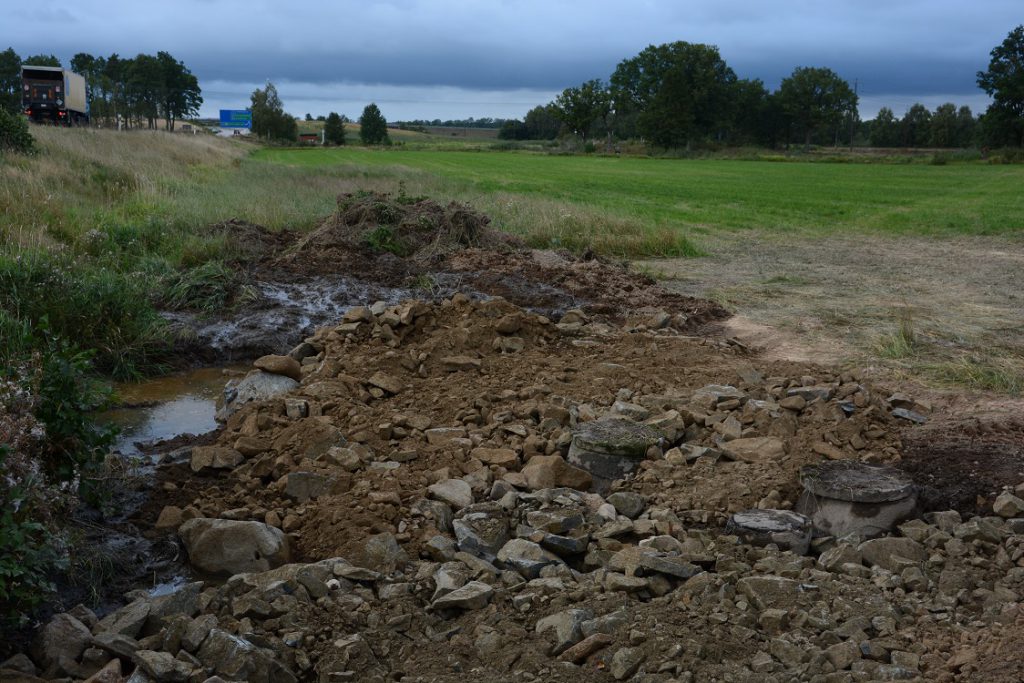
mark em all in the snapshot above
pixel 422 241
pixel 963 464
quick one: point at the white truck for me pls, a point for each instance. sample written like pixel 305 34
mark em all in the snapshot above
pixel 55 95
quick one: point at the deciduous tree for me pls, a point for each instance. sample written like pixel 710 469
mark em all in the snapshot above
pixel 269 119
pixel 10 80
pixel 581 107
pixel 674 93
pixel 885 129
pixel 915 126
pixel 1004 81
pixel 816 97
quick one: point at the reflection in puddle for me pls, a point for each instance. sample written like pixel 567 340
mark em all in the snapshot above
pixel 168 407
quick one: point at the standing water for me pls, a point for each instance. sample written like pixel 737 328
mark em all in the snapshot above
pixel 166 407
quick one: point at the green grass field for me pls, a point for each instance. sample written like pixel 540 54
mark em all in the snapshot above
pixel 699 196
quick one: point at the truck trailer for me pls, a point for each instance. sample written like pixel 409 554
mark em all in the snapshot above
pixel 54 95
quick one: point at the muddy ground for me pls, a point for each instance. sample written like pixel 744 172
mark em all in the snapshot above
pixel 484 381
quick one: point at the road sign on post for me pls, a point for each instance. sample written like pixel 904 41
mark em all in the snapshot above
pixel 236 118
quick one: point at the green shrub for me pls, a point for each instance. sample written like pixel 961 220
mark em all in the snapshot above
pixel 52 455
pixel 97 308
pixel 14 135
pixel 382 238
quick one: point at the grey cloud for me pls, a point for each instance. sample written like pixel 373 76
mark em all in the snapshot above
pixel 902 48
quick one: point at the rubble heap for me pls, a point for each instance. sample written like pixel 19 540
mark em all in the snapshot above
pixel 470 491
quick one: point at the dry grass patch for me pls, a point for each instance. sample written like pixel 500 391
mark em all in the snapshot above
pixel 947 311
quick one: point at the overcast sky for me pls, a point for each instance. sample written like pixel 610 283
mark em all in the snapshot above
pixel 460 58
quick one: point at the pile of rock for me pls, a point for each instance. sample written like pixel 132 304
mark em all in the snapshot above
pixel 505 497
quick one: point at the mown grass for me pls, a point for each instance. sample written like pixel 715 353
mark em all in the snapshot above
pixel 691 197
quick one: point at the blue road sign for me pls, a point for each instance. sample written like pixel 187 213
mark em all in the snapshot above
pixel 235 118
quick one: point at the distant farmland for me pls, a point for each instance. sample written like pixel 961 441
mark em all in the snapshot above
pixel 454 132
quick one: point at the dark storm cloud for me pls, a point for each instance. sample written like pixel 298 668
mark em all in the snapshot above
pixel 900 48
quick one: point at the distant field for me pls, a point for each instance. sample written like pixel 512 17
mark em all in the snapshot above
pixel 704 196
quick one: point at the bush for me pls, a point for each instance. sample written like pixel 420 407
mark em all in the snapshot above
pixel 52 454
pixel 14 135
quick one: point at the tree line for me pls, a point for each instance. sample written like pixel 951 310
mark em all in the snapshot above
pixel 272 123
pixel 681 94
pixel 133 92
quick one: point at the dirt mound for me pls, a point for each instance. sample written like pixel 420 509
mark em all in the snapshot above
pixel 413 228
pixel 599 286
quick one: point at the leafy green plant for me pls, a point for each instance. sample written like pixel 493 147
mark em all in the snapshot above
pixel 382 238
pixel 28 558
pixel 14 134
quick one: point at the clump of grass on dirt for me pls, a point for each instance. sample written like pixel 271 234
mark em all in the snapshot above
pixel 981 373
pixel 902 342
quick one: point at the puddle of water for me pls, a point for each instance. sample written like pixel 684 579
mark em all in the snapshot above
pixel 169 406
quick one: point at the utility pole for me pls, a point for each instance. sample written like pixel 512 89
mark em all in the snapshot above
pixel 853 112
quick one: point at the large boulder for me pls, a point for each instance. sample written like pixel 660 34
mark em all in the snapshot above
pixel 63 639
pixel 223 546
pixel 255 386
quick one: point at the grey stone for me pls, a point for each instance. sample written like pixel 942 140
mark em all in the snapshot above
pixel 557 521
pixel 910 415
pixel 255 386
pixel 455 492
pixel 116 644
pixel 565 545
pixel 886 552
pixel 296 408
pixel 441 548
pixel 845 497
pixel 474 595
pixel 127 621
pixel 1008 505
pixel 221 546
pixel 856 482
pixel 628 503
pixel 754 449
pixel 383 554
pixel 236 658
pixel 63 637
pixel 625 662
pixel 215 457
pixel 481 533
pixel 978 529
pixel 766 592
pixel 20 663
pixel 788 530
pixel 162 666
pixel 567 626
pixel 526 557
pixel 449 576
pixel 614 581
pixel 303 486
